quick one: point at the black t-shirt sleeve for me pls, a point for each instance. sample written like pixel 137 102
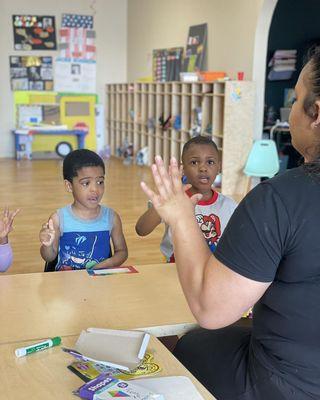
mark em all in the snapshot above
pixel 254 240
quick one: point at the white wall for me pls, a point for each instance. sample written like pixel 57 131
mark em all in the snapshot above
pixel 156 24
pixel 110 23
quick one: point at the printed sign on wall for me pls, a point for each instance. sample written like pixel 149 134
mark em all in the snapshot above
pixel 34 32
pixel 75 76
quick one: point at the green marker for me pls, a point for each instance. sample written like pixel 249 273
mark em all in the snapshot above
pixel 24 351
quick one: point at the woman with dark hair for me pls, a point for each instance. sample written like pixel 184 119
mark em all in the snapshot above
pixel 268 256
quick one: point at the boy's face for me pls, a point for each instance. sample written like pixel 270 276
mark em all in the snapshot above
pixel 201 165
pixel 87 187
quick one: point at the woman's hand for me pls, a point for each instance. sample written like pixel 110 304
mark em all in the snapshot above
pixel 6 223
pixel 171 202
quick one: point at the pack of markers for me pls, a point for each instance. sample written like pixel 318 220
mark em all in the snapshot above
pixel 107 387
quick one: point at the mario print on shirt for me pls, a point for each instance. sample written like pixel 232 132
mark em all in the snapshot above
pixel 211 229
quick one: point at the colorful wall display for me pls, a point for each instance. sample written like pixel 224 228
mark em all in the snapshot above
pixel 31 73
pixel 75 68
pixel 56 109
pixel 167 64
pixel 196 48
pixel 34 32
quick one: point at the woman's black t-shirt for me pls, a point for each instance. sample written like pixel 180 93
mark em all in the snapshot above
pixel 274 235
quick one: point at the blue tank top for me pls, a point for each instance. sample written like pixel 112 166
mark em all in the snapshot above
pixel 83 243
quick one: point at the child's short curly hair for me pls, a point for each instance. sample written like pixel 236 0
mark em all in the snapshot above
pixel 202 140
pixel 78 159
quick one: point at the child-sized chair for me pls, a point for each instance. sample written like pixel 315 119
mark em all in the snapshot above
pixel 50 266
pixel 262 162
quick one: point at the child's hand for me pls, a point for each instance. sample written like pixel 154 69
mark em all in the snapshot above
pixel 6 223
pixel 47 233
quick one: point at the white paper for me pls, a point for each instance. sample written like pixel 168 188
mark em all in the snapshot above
pixel 106 271
pixel 29 115
pixel 75 76
pixel 171 387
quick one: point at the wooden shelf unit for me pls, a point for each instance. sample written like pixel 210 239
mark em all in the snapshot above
pixel 133 111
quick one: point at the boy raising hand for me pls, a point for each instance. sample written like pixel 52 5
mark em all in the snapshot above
pixel 80 234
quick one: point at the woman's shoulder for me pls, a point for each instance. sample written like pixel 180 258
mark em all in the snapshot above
pixel 288 190
pixel 292 181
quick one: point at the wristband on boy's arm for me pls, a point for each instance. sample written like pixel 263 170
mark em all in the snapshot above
pixel 6 256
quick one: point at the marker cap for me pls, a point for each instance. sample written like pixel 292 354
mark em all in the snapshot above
pixel 56 341
pixel 20 352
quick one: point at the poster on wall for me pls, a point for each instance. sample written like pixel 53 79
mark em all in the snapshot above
pixel 196 48
pixel 167 64
pixel 77 43
pixel 77 21
pixel 74 75
pixel 31 73
pixel 34 32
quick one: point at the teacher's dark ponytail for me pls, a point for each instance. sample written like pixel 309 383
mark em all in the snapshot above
pixel 313 84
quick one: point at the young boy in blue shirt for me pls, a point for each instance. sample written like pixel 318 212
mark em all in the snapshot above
pixel 80 234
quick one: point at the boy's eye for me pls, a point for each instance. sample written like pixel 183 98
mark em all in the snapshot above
pixel 85 183
pixel 211 162
pixel 100 182
pixel 194 162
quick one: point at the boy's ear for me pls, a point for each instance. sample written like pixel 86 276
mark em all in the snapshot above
pixel 68 186
pixel 316 123
pixel 220 166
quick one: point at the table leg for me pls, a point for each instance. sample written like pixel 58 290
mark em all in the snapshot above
pixel 81 141
pixel 17 145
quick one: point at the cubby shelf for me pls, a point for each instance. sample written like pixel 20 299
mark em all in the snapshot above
pixel 134 111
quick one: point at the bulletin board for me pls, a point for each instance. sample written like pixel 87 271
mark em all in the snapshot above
pixel 167 64
pixel 31 73
pixel 196 48
pixel 34 32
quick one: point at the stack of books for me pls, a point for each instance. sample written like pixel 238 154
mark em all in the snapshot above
pixel 283 65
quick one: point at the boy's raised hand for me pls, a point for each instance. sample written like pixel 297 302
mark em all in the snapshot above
pixel 6 222
pixel 171 202
pixel 47 233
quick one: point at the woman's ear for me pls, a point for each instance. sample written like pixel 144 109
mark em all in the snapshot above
pixel 316 123
pixel 68 186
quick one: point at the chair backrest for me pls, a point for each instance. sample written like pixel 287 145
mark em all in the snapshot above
pixel 50 266
pixel 263 160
